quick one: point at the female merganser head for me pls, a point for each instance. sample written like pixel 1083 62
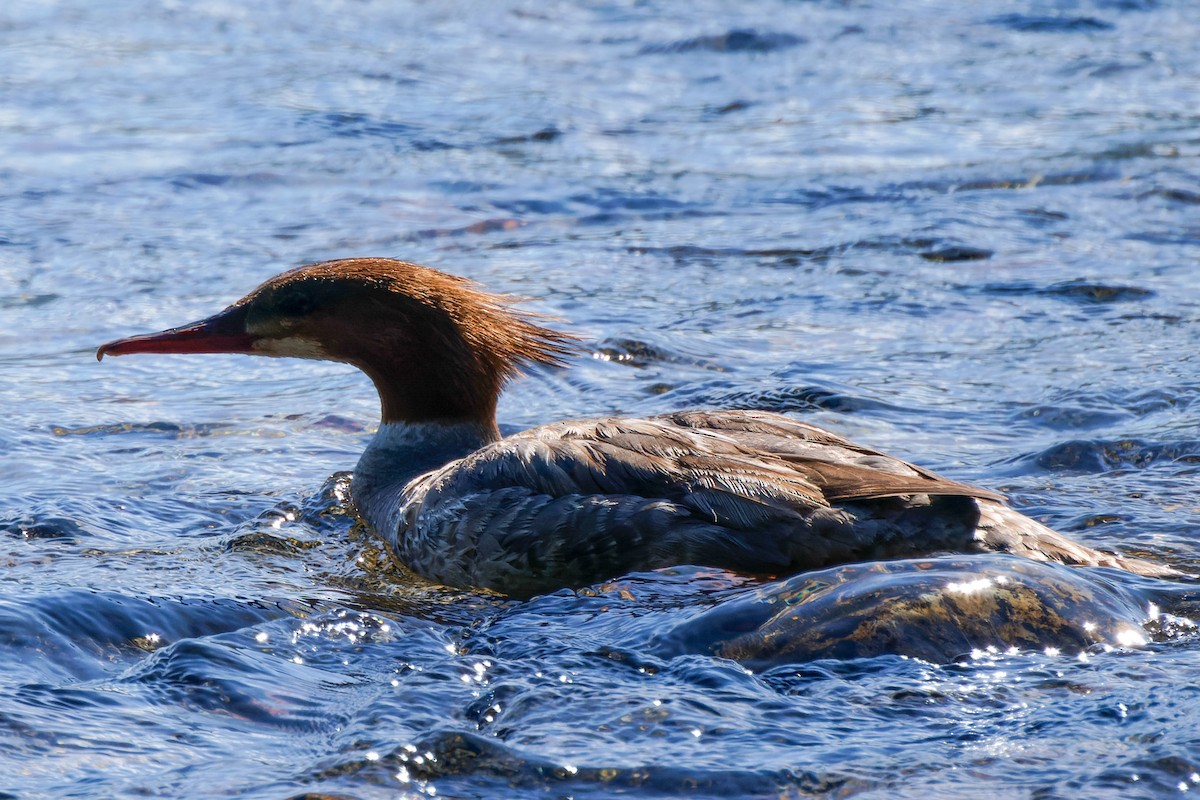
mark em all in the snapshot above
pixel 574 503
pixel 436 347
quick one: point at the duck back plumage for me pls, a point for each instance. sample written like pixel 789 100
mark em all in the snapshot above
pixel 568 503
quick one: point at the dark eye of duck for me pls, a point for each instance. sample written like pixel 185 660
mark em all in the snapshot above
pixel 293 301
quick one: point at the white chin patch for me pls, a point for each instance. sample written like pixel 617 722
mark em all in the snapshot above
pixel 291 347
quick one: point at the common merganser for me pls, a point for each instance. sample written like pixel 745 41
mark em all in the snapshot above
pixel 573 503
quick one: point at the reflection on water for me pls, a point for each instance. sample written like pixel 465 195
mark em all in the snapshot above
pixel 965 235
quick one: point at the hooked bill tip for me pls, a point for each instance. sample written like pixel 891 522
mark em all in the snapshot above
pixel 104 350
pixel 113 348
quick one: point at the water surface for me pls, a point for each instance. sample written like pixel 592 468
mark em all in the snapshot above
pixel 966 235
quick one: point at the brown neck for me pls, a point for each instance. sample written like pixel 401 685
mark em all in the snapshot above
pixel 445 394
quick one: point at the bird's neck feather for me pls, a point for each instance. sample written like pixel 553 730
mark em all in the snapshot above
pixel 402 451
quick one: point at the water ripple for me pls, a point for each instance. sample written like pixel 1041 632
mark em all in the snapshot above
pixel 735 41
pixel 965 237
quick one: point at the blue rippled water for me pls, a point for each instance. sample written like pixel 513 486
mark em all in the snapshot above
pixel 966 234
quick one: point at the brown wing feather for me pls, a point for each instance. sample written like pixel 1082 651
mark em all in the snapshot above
pixel 841 469
pixel 570 503
pixel 844 482
pixel 648 457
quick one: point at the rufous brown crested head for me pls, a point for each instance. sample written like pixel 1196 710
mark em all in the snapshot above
pixel 437 347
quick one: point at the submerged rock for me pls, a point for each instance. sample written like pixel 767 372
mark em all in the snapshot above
pixel 936 609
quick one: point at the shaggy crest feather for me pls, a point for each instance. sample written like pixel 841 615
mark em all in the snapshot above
pixel 489 323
